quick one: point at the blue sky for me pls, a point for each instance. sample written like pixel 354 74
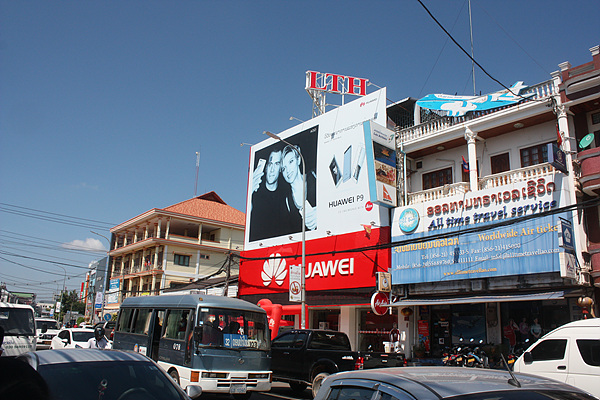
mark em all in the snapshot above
pixel 103 104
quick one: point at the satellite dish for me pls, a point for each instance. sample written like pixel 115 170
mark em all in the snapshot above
pixel 586 141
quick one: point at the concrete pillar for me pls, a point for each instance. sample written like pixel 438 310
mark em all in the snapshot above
pixel 348 324
pixel 565 127
pixel 155 261
pixel 470 137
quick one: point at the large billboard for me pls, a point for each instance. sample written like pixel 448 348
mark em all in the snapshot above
pixel 340 213
pixel 505 230
pixel 338 198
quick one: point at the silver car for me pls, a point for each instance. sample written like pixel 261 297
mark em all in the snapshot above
pixel 436 383
pixel 103 374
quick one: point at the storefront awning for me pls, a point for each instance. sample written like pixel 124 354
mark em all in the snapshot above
pixel 480 299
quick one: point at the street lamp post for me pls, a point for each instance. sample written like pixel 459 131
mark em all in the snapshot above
pixel 63 290
pixel 303 266
pixel 105 277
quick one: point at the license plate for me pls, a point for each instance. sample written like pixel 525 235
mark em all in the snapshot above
pixel 237 388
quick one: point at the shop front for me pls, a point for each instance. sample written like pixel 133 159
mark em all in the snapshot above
pixel 486 268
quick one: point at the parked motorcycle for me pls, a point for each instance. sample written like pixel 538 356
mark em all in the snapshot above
pixel 476 358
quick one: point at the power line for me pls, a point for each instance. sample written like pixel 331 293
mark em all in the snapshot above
pixel 517 43
pixel 52 219
pixel 40 259
pixel 468 55
pixel 110 224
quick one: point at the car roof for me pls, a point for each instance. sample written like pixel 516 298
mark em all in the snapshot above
pixel 435 382
pixel 86 329
pixel 590 322
pixel 62 356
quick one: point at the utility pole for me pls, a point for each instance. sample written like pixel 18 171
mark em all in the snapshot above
pixel 227 275
pixel 197 169
pixel 105 279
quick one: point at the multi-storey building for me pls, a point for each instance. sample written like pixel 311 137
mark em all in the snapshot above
pixel 475 246
pixel 181 243
pixel 497 238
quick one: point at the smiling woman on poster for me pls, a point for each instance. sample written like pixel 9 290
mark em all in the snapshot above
pixel 291 171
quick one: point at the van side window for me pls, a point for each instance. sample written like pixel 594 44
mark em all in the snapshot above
pixel 549 349
pixel 125 320
pixel 177 321
pixel 142 321
pixel 590 351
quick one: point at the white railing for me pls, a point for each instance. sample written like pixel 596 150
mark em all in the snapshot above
pixel 413 133
pixel 516 175
pixel 438 192
pixel 487 182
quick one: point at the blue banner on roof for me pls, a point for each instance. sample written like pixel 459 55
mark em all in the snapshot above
pixel 460 105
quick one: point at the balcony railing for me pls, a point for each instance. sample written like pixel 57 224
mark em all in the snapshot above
pixel 487 182
pixel 414 133
pixel 438 192
pixel 515 175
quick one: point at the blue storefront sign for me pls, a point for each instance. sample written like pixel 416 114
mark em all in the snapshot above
pixel 500 232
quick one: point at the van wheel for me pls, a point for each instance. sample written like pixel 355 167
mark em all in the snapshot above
pixel 174 375
pixel 298 386
pixel 317 382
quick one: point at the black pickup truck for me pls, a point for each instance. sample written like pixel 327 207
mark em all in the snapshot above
pixel 303 357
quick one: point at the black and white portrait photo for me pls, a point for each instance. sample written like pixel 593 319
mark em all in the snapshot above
pixel 276 194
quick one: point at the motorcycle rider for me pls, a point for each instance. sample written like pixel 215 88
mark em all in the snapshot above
pixel 99 341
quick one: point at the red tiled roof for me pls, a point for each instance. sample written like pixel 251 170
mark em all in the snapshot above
pixel 209 206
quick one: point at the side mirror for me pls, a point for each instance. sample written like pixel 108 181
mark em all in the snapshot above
pixel 193 391
pixel 197 335
pixel 527 357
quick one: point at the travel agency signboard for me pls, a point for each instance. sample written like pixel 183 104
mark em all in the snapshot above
pixel 342 209
pixel 450 239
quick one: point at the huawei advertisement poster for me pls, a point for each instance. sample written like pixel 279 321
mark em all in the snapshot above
pixel 339 210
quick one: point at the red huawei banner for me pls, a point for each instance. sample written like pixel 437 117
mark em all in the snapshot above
pixel 324 270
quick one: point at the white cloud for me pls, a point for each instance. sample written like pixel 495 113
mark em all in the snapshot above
pixel 89 244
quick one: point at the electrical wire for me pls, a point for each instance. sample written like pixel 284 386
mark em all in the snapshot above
pixel 470 57
pixel 54 217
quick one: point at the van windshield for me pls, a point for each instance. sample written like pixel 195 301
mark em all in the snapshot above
pixel 17 321
pixel 232 329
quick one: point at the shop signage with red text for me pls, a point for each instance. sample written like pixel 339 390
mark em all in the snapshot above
pixel 336 83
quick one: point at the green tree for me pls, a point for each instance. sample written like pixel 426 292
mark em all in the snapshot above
pixel 69 301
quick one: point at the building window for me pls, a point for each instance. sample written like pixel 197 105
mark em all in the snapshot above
pixel 437 178
pixel 500 163
pixel 180 259
pixel 204 257
pixel 534 155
